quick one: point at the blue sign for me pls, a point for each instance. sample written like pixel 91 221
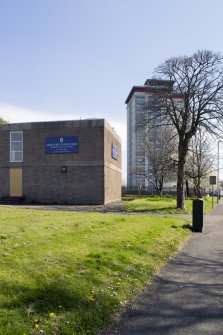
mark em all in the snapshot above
pixel 61 145
pixel 114 151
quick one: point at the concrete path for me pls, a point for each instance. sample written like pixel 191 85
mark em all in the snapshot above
pixel 187 295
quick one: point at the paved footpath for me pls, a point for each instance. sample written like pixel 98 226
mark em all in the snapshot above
pixel 187 295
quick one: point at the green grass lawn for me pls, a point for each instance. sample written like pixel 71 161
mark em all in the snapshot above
pixel 162 205
pixel 69 272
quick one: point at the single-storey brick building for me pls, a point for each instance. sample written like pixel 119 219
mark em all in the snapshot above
pixel 63 162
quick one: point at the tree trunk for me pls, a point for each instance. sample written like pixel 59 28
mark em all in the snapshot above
pixel 187 188
pixel 199 192
pixel 199 188
pixel 158 187
pixel 161 188
pixel 180 185
pixel 158 192
pixel 195 190
pixel 182 152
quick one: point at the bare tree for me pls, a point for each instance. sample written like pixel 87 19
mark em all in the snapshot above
pixel 200 160
pixel 159 147
pixel 194 99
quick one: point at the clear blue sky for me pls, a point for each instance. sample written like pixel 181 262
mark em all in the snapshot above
pixel 80 58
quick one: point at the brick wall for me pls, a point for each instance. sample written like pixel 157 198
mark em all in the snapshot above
pixel 112 167
pixel 92 176
pixel 79 185
pixel 4 163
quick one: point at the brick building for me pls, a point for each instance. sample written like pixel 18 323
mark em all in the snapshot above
pixel 63 162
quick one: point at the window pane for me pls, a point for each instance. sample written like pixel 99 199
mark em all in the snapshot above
pixel 16 146
pixel 12 156
pixel 16 136
pixel 16 156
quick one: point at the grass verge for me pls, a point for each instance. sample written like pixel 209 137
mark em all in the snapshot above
pixel 162 205
pixel 68 273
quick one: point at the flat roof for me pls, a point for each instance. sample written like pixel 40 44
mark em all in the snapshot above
pixel 151 86
pixel 43 124
pixel 93 122
pixel 146 89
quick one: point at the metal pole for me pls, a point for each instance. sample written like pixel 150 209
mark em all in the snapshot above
pixel 218 175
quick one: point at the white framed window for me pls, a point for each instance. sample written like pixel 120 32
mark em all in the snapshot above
pixel 16 146
pixel 114 151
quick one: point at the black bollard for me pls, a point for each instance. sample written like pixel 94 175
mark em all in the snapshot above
pixel 198 215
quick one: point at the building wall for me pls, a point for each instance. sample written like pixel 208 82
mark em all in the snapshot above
pixel 4 162
pixel 135 150
pixel 43 179
pixel 140 141
pixel 112 173
pixel 73 187
pixel 137 160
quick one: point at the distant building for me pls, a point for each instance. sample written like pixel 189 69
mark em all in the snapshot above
pixel 137 98
pixel 62 162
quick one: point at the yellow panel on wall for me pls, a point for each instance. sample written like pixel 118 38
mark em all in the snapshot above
pixel 15 182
